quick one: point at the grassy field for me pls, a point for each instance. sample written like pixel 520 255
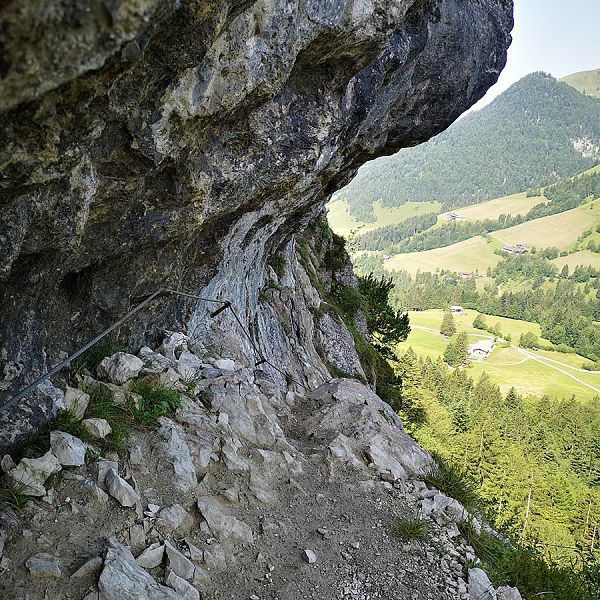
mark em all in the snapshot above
pixel 512 327
pixel 587 82
pixel 507 367
pixel 475 254
pixel 343 223
pixel 584 257
pixel 559 230
pixel 517 204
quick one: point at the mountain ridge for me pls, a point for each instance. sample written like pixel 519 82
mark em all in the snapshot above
pixel 490 153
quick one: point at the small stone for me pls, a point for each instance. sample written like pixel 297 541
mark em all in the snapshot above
pixel 225 364
pixel 480 586
pixel 7 463
pixel 102 468
pixel 69 450
pixel 151 557
pixel 215 557
pixel 94 491
pixel 98 428
pixel 311 557
pixel 88 568
pixel 178 563
pixel 120 367
pixel 76 402
pixel 185 590
pixel 30 474
pixel 136 459
pixel 196 554
pixel 43 565
pixel 120 490
pixel 355 545
pixel 508 593
pixel 174 518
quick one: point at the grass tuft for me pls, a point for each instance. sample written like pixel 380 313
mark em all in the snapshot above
pixel 157 401
pixel 446 478
pixel 13 497
pixel 93 356
pixel 411 528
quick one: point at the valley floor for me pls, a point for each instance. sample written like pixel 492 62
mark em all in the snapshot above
pixel 539 372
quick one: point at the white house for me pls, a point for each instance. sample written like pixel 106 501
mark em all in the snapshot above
pixel 456 310
pixel 481 350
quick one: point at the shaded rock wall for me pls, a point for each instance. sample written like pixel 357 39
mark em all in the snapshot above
pixel 164 142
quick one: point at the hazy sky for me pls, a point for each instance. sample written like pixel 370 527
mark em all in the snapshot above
pixel 556 36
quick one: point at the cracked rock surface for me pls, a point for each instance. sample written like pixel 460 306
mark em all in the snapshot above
pixel 179 143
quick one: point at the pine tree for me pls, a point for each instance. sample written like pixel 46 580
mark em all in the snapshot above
pixel 448 327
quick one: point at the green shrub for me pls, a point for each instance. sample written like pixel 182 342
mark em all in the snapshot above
pixel 277 264
pixel 510 563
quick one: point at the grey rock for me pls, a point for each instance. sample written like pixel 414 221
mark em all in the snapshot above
pixel 76 401
pixel 225 364
pixel 480 586
pixel 120 367
pixel 178 563
pixel 311 557
pixel 174 448
pixel 123 579
pixel 152 556
pixel 215 557
pixel 102 468
pixel 174 518
pixel 508 593
pixel 43 565
pixel 120 490
pixel 223 525
pixel 98 428
pixel 7 463
pixel 185 590
pixel 2 542
pixel 90 567
pixel 94 491
pixel 30 474
pixel 68 449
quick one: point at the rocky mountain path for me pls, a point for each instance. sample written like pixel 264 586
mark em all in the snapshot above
pixel 247 491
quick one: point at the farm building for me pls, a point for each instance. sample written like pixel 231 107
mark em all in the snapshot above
pixel 454 217
pixel 518 249
pixel 456 310
pixel 481 350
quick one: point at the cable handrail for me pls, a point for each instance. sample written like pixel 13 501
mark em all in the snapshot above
pixel 225 304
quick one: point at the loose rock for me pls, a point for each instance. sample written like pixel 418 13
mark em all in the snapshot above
pixel 120 490
pixel 30 474
pixel 98 428
pixel 68 449
pixel 43 565
pixel 120 367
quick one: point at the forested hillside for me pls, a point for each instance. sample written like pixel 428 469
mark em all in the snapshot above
pixel 537 132
pixel 414 235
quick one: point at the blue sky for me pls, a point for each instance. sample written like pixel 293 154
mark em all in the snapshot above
pixel 556 36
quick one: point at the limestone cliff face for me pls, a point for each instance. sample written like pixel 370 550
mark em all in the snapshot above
pixel 183 143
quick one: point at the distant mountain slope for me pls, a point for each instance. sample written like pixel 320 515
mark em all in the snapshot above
pixel 586 82
pixel 535 133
